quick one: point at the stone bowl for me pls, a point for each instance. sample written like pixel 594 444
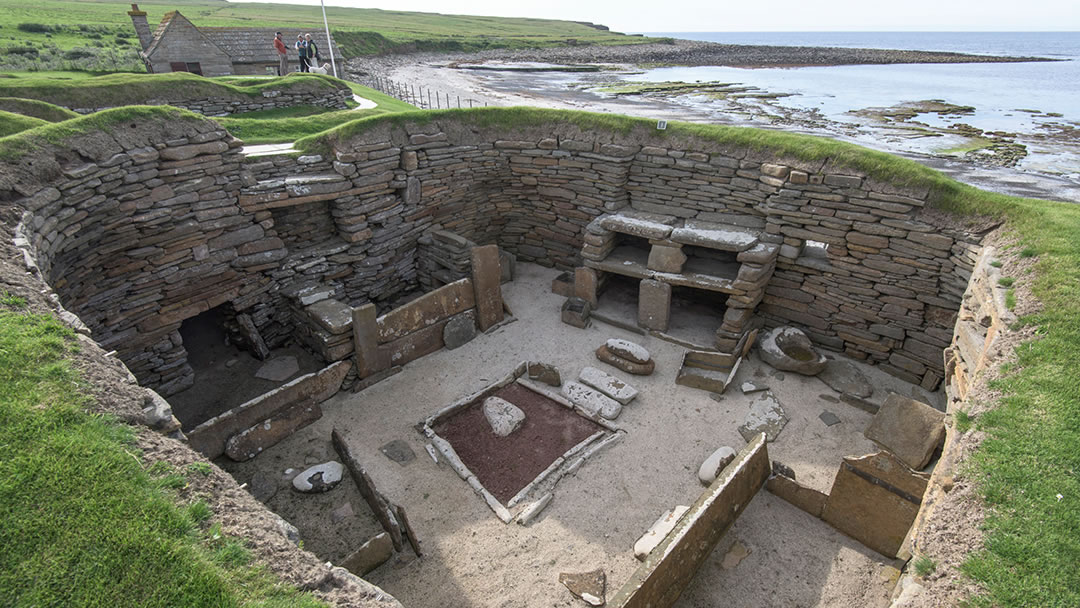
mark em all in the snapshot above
pixel 790 350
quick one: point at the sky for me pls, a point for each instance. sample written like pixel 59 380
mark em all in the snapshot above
pixel 766 16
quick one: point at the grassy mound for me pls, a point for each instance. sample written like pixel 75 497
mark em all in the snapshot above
pixel 85 521
pixel 11 123
pixel 36 109
pixel 130 89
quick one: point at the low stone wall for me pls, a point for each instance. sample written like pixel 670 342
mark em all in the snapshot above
pixel 141 228
pixel 269 100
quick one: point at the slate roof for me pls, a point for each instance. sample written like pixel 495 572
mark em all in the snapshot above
pixel 256 45
pixel 247 44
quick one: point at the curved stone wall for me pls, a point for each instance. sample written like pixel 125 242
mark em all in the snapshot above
pixel 143 225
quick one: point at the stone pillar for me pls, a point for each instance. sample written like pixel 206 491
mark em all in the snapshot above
pixel 487 280
pixel 654 305
pixel 665 257
pixel 585 285
pixel 366 340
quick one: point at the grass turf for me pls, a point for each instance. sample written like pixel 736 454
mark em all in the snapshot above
pixel 70 24
pixel 36 109
pixel 85 521
pixel 126 89
pixel 11 123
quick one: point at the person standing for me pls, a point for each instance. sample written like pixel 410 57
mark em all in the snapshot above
pixel 283 55
pixel 302 51
pixel 312 50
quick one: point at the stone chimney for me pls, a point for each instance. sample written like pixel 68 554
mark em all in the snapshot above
pixel 142 28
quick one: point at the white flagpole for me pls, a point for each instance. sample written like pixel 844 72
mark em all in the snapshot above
pixel 329 44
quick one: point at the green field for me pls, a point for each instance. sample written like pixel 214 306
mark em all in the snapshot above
pixel 61 34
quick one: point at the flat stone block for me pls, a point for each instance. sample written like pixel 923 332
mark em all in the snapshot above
pixel 605 355
pixel 247 444
pixel 370 555
pixel 910 429
pixel 503 417
pixel 585 285
pixel 592 401
pixel 487 278
pixel 278 369
pixel 710 469
pixel 608 384
pixel 666 258
pixel 766 416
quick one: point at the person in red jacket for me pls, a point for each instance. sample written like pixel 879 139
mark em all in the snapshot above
pixel 283 57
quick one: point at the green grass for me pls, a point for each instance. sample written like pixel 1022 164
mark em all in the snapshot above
pixel 1028 252
pixel 358 31
pixel 924 565
pixel 36 109
pixel 1006 281
pixel 127 89
pixel 1010 299
pixel 964 421
pixel 83 523
pixel 290 124
pixel 11 124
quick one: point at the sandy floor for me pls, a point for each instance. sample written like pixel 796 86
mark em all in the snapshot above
pixel 472 559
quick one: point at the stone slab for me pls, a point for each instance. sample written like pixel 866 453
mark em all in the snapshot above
pixel 586 285
pixel 666 258
pixel 592 401
pixel 398 451
pixel 333 315
pixel 427 310
pixel 209 437
pixel 415 345
pixel 670 567
pixel 319 478
pixel 637 223
pixel 659 531
pixel 845 378
pixel 278 369
pixel 590 587
pixel 628 350
pixel 366 342
pixel 487 285
pixel 874 499
pixel 575 312
pixel 383 510
pixel 910 429
pixel 766 415
pixel 544 372
pixel 641 369
pixel 459 330
pixel 249 443
pixel 503 417
pixel 715 236
pixel 654 304
pixel 370 555
pixel 808 499
pixel 608 384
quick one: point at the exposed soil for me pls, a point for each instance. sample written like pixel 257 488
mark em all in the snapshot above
pixel 505 465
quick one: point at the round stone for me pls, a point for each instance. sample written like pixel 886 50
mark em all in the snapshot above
pixel 319 478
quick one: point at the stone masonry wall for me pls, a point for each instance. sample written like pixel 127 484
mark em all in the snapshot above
pixel 139 231
pixel 269 100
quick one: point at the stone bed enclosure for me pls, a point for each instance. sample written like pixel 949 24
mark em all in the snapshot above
pixel 157 218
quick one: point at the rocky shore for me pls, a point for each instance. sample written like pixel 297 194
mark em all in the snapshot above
pixel 695 53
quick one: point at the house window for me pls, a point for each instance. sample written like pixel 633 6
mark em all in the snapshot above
pixel 186 66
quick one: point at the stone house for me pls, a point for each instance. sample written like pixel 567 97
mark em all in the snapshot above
pixel 179 46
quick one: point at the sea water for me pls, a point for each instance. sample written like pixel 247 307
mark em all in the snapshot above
pixel 996 90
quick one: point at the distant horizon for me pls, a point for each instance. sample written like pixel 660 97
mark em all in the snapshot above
pixel 853 31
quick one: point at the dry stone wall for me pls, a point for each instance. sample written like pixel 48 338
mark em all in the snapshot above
pixel 142 227
pixel 268 100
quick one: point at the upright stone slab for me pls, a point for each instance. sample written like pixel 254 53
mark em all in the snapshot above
pixel 669 568
pixel 654 304
pixel 874 499
pixel 366 341
pixel 908 428
pixel 666 258
pixel 487 279
pixel 586 284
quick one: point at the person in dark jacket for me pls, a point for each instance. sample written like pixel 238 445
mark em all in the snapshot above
pixel 302 50
pixel 312 51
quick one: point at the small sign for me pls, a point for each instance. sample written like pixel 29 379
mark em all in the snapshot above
pixel 661 125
